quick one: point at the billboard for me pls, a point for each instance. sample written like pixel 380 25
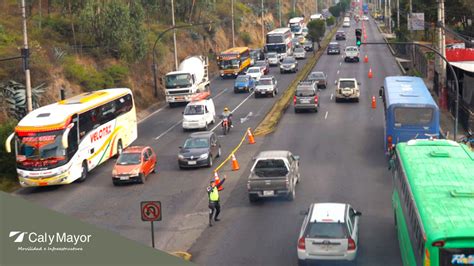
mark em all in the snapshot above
pixel 417 21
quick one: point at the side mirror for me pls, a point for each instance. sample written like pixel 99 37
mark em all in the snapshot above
pixel 358 82
pixel 380 93
pixel 297 157
pixel 358 213
pixel 64 139
pixel 304 212
pixel 180 147
pixel 335 82
pixel 8 146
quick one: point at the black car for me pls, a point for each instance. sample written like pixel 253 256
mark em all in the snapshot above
pixel 199 149
pixel 334 48
pixel 289 64
pixel 340 35
pixel 257 54
pixel 308 46
pixel 320 78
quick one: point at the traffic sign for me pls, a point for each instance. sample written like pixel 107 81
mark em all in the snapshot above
pixel 150 210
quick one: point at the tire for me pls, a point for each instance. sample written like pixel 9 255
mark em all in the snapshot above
pixel 119 148
pixel 224 131
pixel 292 195
pixel 236 91
pixel 253 198
pixel 154 169
pixel 301 262
pixel 256 95
pixel 219 152
pixel 337 100
pixel 273 94
pixel 209 161
pixel 316 110
pixel 276 90
pixel 357 100
pixel 281 72
pixel 206 127
pixel 297 111
pixel 172 105
pixel 83 172
pixel 141 178
pixel 115 182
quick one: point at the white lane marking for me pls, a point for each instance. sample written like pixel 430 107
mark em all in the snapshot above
pixel 242 120
pixel 326 116
pixel 169 129
pixel 338 72
pixel 332 95
pixel 340 63
pixel 219 94
pixel 237 107
pixel 150 115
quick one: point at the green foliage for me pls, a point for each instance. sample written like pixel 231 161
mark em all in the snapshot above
pixel 246 37
pixel 339 8
pixel 7 160
pixel 116 27
pixel 5 38
pixel 118 74
pixel 13 97
pixel 330 21
pixel 316 30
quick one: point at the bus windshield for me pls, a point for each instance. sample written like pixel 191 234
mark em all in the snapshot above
pixel 229 64
pixel 295 28
pixel 40 151
pixel 277 48
pixel 178 80
pixel 412 116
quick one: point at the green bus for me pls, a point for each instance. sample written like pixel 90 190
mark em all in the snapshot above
pixel 433 202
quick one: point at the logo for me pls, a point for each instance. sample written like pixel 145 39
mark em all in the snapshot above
pixel 19 238
pixel 99 134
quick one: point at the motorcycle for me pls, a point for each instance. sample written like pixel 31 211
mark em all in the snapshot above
pixel 225 125
pixel 468 140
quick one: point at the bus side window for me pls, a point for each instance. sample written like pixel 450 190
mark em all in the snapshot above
pixel 87 122
pixel 107 112
pixel 123 105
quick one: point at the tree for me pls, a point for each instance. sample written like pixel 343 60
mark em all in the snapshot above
pixel 316 30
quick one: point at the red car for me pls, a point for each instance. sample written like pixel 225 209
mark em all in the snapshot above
pixel 263 64
pixel 134 165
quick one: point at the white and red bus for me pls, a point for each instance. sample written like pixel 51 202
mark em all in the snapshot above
pixel 61 142
pixel 279 41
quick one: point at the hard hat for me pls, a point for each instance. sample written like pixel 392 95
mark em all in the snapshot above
pixel 226 109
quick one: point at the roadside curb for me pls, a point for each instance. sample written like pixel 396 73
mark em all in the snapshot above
pixel 272 118
pixel 391 49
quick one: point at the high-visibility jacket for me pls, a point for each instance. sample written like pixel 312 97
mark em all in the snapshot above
pixel 214 194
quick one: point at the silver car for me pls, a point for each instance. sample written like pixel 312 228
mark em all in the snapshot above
pixel 330 231
pixel 299 53
pixel 273 59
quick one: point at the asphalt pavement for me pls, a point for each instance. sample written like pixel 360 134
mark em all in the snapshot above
pixel 182 193
pixel 342 160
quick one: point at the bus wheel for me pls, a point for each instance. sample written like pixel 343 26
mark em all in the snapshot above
pixel 119 148
pixel 83 172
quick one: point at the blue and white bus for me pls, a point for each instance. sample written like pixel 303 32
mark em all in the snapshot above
pixel 410 111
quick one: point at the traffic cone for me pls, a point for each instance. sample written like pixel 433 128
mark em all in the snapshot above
pixel 366 59
pixel 370 73
pixel 250 136
pixel 218 181
pixel 374 102
pixel 235 164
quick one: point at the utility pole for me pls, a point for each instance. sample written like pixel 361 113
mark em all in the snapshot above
pixel 279 13
pixel 233 34
pixel 263 27
pixel 410 11
pixel 442 50
pixel 25 52
pixel 316 6
pixel 389 16
pixel 398 14
pixel 174 36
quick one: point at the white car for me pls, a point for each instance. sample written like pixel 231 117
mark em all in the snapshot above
pixel 266 86
pixel 330 231
pixel 347 89
pixel 299 53
pixel 351 54
pixel 199 115
pixel 366 18
pixel 255 72
pixel 273 59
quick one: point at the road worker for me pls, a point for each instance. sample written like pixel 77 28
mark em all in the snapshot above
pixel 213 195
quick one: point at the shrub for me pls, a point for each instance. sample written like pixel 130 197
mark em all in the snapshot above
pixel 330 21
pixel 246 38
pixel 87 76
pixel 118 74
pixel 7 160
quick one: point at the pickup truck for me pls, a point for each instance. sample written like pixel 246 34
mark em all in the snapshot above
pixel 274 173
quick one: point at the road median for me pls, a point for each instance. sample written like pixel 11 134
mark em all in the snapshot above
pixel 270 121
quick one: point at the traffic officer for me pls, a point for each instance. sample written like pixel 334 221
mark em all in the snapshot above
pixel 213 194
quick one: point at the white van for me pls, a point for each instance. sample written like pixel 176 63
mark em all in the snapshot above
pixel 199 115
pixel 347 22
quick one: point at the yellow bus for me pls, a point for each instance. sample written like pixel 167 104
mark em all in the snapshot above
pixel 233 61
pixel 61 142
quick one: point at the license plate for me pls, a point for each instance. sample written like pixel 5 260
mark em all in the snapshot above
pixel 191 162
pixel 268 193
pixel 304 101
pixel 124 178
pixel 179 98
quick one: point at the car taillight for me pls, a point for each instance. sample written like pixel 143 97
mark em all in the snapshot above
pixel 389 142
pixel 301 243
pixel 438 244
pixel 316 99
pixel 351 244
pixel 294 99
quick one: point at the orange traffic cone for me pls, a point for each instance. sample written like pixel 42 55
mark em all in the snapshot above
pixel 366 59
pixel 235 164
pixel 370 73
pixel 374 103
pixel 218 181
pixel 250 136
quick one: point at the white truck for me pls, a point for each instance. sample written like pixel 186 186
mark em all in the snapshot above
pixel 199 115
pixel 190 82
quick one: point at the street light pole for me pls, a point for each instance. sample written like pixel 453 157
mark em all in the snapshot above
pixel 26 65
pixel 174 37
pixel 233 37
pixel 263 27
pixel 456 81
pixel 154 67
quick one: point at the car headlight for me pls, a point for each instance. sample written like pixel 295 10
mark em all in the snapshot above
pixel 204 156
pixel 135 172
pixel 114 172
pixel 181 157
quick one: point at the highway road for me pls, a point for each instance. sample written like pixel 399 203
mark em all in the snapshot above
pixel 342 160
pixel 182 193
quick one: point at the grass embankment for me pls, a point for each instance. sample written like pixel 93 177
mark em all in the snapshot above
pixel 269 123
